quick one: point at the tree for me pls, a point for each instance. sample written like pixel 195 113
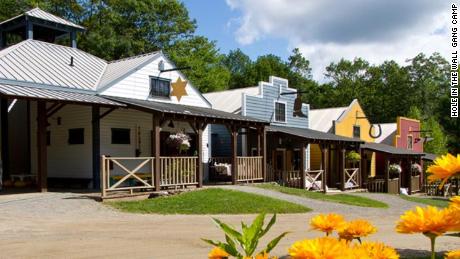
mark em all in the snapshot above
pixel 207 72
pixel 239 65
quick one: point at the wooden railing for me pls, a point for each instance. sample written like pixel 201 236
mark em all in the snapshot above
pixel 393 186
pixel 115 175
pixel 351 178
pixel 314 179
pixel 178 171
pixel 249 168
pixel 415 183
pixel 376 185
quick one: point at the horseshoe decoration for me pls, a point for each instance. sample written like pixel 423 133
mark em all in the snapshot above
pixel 379 131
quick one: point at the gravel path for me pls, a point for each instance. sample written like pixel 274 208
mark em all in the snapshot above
pixel 73 225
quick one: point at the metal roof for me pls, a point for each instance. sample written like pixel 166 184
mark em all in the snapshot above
pixel 321 119
pixel 388 133
pixel 49 94
pixel 118 68
pixel 40 14
pixel 45 63
pixel 390 149
pixel 312 134
pixel 230 100
pixel 184 109
pixel 429 157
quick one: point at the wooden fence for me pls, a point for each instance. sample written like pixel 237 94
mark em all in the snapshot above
pixel 178 171
pixel 351 178
pixel 415 183
pixel 116 175
pixel 249 168
pixel 378 185
pixel 127 180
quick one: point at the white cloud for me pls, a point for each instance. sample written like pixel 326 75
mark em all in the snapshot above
pixel 328 30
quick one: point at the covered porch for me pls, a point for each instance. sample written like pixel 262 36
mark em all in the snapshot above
pixel 288 163
pixel 397 169
pixel 165 170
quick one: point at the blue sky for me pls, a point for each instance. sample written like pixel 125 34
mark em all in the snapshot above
pixel 215 20
pixel 326 30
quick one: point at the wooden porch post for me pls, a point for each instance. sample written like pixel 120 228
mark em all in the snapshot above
pixel 42 165
pixel 409 175
pixel 342 168
pixel 387 173
pixel 4 138
pixel 199 173
pixel 156 150
pixel 303 166
pixel 362 171
pixel 234 143
pixel 96 141
pixel 324 155
pixel 263 152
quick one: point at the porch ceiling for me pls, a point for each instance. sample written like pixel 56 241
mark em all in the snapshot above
pixel 313 135
pixel 186 110
pixel 15 91
pixel 390 149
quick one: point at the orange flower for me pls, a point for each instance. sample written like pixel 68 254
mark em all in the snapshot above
pixel 430 221
pixel 319 248
pixel 356 229
pixel 327 223
pixel 453 255
pixel 444 168
pixel 218 253
pixel 374 250
pixel 455 202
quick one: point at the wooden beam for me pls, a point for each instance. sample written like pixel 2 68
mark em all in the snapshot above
pixel 52 107
pixel 51 113
pixel 199 141
pixel 156 150
pixel 342 168
pixel 96 143
pixel 4 138
pixel 387 174
pixel 263 149
pixel 234 143
pixel 303 166
pixel 324 152
pixel 107 113
pixel 41 147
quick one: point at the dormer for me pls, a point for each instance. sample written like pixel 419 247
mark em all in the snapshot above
pixel 38 25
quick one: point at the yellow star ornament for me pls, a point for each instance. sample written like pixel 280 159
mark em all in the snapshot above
pixel 178 89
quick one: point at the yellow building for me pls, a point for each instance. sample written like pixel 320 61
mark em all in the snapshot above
pixel 350 121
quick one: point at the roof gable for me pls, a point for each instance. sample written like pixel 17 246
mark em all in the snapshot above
pixel 43 63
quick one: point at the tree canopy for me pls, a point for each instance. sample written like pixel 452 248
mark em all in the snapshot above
pixel 122 28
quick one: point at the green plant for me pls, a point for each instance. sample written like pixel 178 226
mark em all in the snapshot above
pixel 353 156
pixel 248 239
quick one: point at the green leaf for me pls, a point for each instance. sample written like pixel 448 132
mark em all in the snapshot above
pixel 229 231
pixel 453 234
pixel 231 246
pixel 214 243
pixel 270 224
pixel 252 235
pixel 274 242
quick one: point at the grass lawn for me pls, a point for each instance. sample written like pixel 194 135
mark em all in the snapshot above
pixel 437 202
pixel 339 198
pixel 210 201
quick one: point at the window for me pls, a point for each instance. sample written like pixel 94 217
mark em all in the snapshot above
pixel 159 87
pixel 356 131
pixel 409 142
pixel 121 136
pixel 76 136
pixel 280 112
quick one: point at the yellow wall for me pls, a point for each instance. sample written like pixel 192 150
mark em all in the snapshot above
pixel 315 157
pixel 344 127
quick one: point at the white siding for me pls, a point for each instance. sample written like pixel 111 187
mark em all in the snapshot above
pixel 137 85
pixel 65 160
